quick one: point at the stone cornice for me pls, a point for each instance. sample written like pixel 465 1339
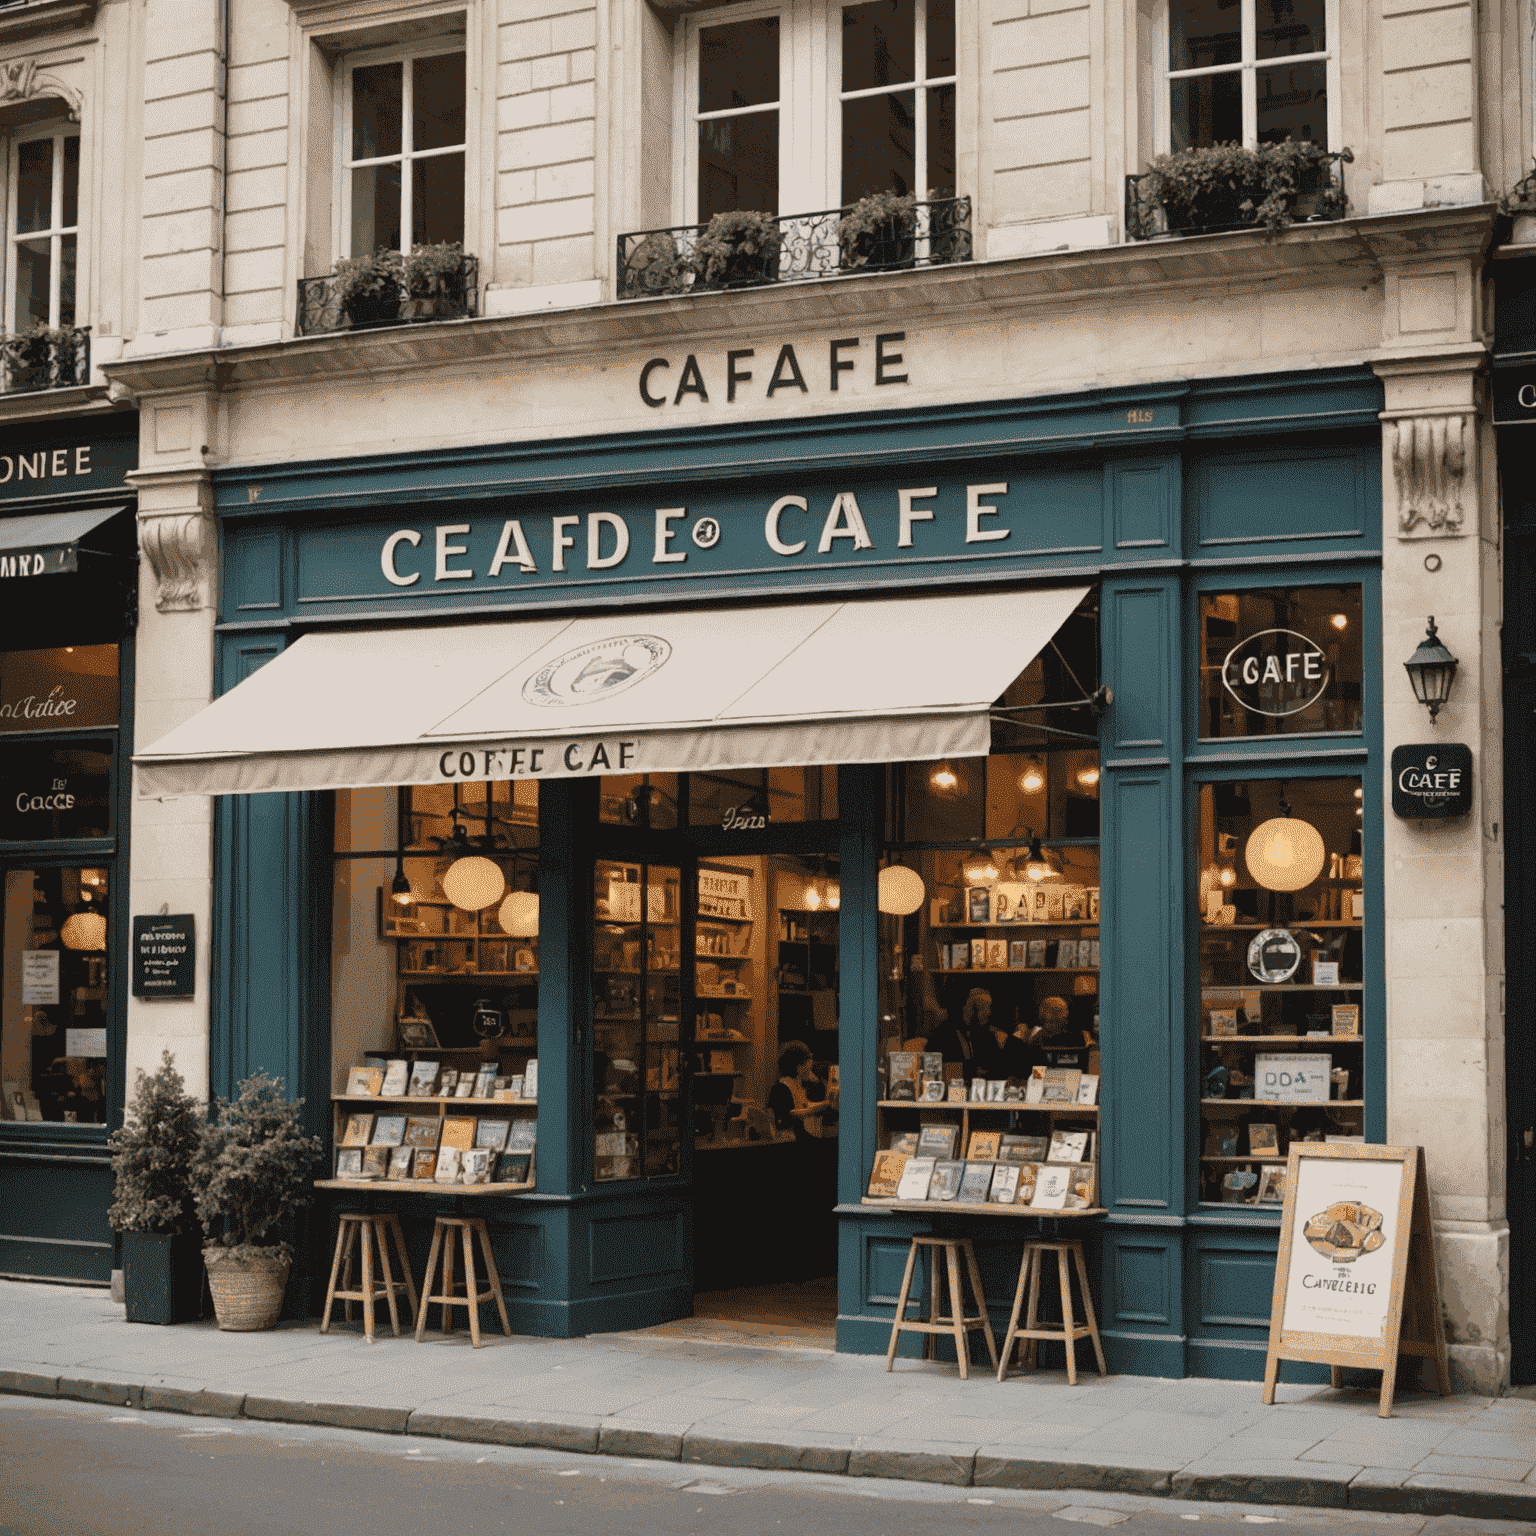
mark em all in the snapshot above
pixel 1354 252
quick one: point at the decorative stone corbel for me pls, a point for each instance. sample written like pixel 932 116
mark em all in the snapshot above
pixel 1432 460
pixel 179 547
pixel 22 80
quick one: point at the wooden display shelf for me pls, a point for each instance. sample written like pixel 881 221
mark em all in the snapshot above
pixel 1281 986
pixel 996 1104
pixel 722 997
pixel 1289 1103
pixel 1252 1157
pixel 731 1039
pixel 468 975
pixel 1322 922
pixel 1282 1039
pixel 1064 922
pixel 1020 970
pixel 435 1098
pixel 425 1186
pixel 979 1208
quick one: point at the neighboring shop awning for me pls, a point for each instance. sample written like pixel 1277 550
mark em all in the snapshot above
pixel 880 681
pixel 46 543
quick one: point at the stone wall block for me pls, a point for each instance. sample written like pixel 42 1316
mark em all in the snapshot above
pixel 563 261
pixel 576 29
pixel 263 188
pixel 1034 90
pixel 1040 39
pixel 1426 38
pixel 533 147
pixel 253 151
pixel 572 101
pixel 1045 192
pixel 524 40
pixel 1048 139
pixel 193 113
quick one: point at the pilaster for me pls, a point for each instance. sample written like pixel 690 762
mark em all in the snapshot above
pixel 1443 879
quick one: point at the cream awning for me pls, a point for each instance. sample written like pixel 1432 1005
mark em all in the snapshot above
pixel 877 681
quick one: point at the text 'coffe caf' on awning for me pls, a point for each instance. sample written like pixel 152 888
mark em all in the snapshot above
pixel 880 681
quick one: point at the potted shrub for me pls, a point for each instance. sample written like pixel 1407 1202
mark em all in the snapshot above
pixel 1226 186
pixel 656 266
pixel 41 358
pixel 878 233
pixel 433 278
pixel 152 1198
pixel 369 288
pixel 738 249
pixel 251 1171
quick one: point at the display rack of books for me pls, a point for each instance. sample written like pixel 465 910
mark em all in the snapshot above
pixel 723 986
pixel 418 1126
pixel 441 942
pixel 806 979
pixel 1281 1047
pixel 637 1009
pixel 1005 1147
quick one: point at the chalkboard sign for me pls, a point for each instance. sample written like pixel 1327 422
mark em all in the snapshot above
pixel 1355 1277
pixel 164 956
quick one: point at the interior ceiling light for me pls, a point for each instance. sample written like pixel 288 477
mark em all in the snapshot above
pixel 84 930
pixel 901 890
pixel 978 868
pixel 474 883
pixel 519 915
pixel 1032 780
pixel 1088 775
pixel 1339 620
pixel 1285 853
pixel 1037 864
pixel 944 780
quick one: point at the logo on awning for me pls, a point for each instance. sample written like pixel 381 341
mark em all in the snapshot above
pixel 597 671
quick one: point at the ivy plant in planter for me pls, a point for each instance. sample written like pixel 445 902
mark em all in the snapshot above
pixel 433 278
pixel 152 1198
pixel 656 266
pixel 878 233
pixel 1226 185
pixel 251 1171
pixel 41 358
pixel 737 250
pixel 369 289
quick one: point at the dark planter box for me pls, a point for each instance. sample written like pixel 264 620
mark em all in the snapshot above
pixel 162 1277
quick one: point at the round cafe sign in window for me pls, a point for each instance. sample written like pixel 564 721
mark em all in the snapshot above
pixel 1276 672
pixel 1274 955
pixel 597 671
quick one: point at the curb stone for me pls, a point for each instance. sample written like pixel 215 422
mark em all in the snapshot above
pixel 765 1455
pixel 537 1435
pixel 1024 1472
pixel 1239 1487
pixel 381 1421
pixel 656 1444
pixel 1431 1494
pixel 204 1404
pixel 25 1384
pixel 913 1466
pixel 117 1394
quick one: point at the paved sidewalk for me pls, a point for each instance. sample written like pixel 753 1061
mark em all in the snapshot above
pixel 646 1394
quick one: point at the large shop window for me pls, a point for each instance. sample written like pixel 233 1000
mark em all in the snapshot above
pixel 402 178
pixel 796 108
pixel 1250 72
pixel 44 220
pixel 1282 1001
pixel 990 951
pixel 435 976
pixel 56 800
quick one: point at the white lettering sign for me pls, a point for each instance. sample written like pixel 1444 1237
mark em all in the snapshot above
pixel 39 977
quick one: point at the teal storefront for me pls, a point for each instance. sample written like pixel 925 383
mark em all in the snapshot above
pixel 1210 703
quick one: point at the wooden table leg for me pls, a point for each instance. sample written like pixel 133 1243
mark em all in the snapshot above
pixel 1093 1321
pixel 957 1311
pixel 330 1290
pixel 901 1307
pixel 494 1276
pixel 426 1283
pixel 981 1300
pixel 450 1238
pixel 1013 1318
pixel 405 1262
pixel 1032 1316
pixel 1069 1323
pixel 471 1285
pixel 381 1237
pixel 367 1281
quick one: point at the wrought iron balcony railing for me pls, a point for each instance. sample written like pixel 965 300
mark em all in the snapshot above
pixel 325 306
pixel 45 358
pixel 793 248
pixel 1320 198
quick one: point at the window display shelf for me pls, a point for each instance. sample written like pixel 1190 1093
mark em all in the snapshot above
pixel 972 1106
pixel 1252 1157
pixel 436 1098
pixel 1281 986
pixel 1262 1040
pixel 1021 970
pixel 980 1208
pixel 723 997
pixel 1070 922
pixel 425 1187
pixel 1322 922
pixel 1287 1103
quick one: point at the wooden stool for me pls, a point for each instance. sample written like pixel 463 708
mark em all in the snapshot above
pixel 374 1230
pixel 1069 1331
pixel 957 1322
pixel 467 1227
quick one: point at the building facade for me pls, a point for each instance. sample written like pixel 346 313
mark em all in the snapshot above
pixel 1023 383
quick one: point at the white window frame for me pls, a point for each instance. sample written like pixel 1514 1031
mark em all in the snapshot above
pixel 1249 68
pixel 408 155
pixel 809 106
pixel 54 234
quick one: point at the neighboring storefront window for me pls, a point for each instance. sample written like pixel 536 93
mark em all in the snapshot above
pixel 56 789
pixel 1280 661
pixel 1280 894
pixel 435 970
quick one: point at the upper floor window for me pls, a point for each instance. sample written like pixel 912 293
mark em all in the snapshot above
pixel 402 177
pixel 1251 72
pixel 805 106
pixel 43 226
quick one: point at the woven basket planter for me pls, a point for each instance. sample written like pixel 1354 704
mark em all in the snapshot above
pixel 247 1296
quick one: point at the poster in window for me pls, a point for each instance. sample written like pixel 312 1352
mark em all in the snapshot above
pixel 39 977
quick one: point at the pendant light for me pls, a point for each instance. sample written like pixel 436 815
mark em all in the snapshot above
pixel 979 868
pixel 473 882
pixel 519 915
pixel 400 887
pixel 901 890
pixel 946 782
pixel 1032 780
pixel 1285 853
pixel 1036 864
pixel 84 930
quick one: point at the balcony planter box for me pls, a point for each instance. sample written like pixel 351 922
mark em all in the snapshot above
pixel 45 358
pixel 162 1277
pixel 369 288
pixel 654 267
pixel 435 279
pixel 878 234
pixel 738 250
pixel 1224 187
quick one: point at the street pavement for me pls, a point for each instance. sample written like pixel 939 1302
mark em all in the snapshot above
pixel 97 1470
pixel 732 1406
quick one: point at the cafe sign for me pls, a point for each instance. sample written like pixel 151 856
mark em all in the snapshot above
pixel 1276 672
pixel 1432 781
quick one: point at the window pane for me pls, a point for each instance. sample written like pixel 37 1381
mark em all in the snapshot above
pixel 375 209
pixel 70 686
pixel 71 182
pixel 32 269
pixel 376 109
pixel 437 199
pixel 1279 900
pixel 878 44
pixel 739 164
pixel 34 185
pixel 733 799
pixel 67 280
pixel 941 142
pixel 53 995
pixel 1278 661
pixel 1204 32
pixel 1296 26
pixel 739 65
pixel 941 38
pixel 1206 110
pixel 1293 103
pixel 437 101
pixel 878 146
pixel 55 792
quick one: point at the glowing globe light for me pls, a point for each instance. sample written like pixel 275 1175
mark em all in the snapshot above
pixel 1285 854
pixel 519 915
pixel 473 883
pixel 901 890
